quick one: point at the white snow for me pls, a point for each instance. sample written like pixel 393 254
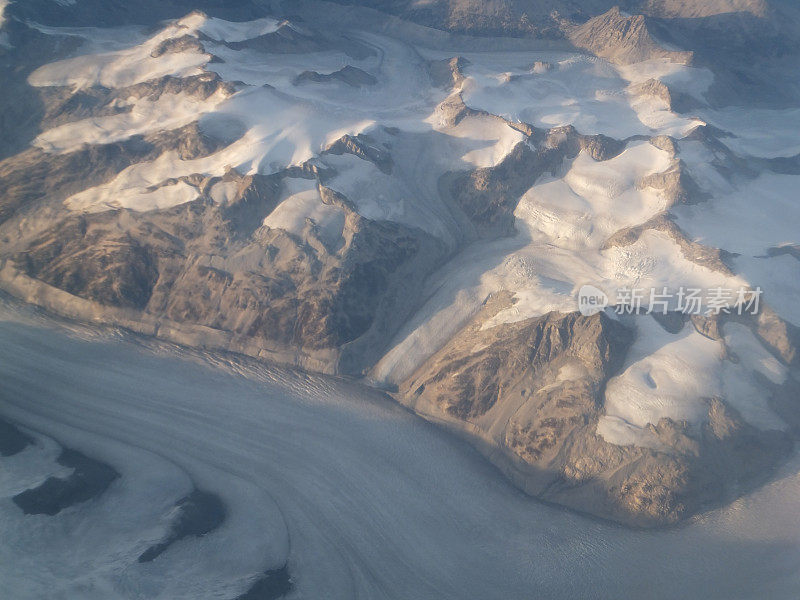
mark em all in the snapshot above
pixel 562 221
pixel 562 225
pixel 767 133
pixel 361 497
pixel 777 277
pixel 120 68
pixel 134 63
pixel 228 31
pixel 169 111
pixel 4 41
pixel 770 200
pixel 490 139
pixel 656 261
pixel 107 197
pixel 586 92
pixel 749 220
pixel 654 112
pixel 675 375
pixel 410 194
pixel 666 375
pixel 223 192
pixel 289 124
pixel 610 186
pixel 99 39
pixel 31 468
pixel 302 207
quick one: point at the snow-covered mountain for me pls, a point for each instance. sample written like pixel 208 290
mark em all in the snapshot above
pixel 416 194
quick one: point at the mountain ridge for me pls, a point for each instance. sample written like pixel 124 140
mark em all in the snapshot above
pixel 355 202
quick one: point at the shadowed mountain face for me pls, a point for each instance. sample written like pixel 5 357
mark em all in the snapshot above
pixel 750 44
pixel 510 16
pixel 415 194
pixel 110 14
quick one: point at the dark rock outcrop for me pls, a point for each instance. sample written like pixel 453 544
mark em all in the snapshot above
pixel 622 39
pixel 215 265
pixel 349 75
pixel 199 513
pixel 89 479
pixel 12 440
pixel 273 584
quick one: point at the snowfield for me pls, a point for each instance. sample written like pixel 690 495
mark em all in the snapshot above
pixel 673 376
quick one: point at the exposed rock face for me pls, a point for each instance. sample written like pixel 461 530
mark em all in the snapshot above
pixel 352 76
pixel 197 265
pixel 114 270
pixel 304 192
pixel 488 196
pixel 448 73
pixel 364 148
pixel 467 382
pixel 675 101
pixel 711 258
pixel 290 38
pixel 177 45
pixel 601 147
pixel 675 184
pixel 34 174
pixel 621 39
pixel 782 337
pixel 65 105
pixel 534 390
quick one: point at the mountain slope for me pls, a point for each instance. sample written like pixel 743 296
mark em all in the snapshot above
pixel 340 190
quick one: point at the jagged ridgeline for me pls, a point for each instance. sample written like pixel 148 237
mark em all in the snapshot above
pixel 413 194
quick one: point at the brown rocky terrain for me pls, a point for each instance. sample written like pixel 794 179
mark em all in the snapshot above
pixel 196 264
pixel 531 393
pixel 622 39
pixel 337 288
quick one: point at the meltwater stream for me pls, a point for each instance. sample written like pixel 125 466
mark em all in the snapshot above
pixel 326 480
